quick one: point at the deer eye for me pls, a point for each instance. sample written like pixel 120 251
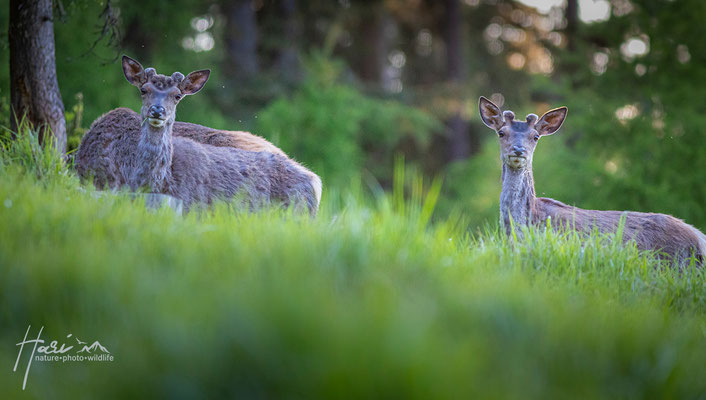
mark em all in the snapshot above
pixel 143 90
pixel 536 138
pixel 178 97
pixel 501 134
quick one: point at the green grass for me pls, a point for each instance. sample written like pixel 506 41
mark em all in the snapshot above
pixel 370 299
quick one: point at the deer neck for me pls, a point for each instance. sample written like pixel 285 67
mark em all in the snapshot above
pixel 154 158
pixel 517 198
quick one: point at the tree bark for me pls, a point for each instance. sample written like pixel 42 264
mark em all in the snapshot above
pixel 138 40
pixel 459 144
pixel 572 22
pixel 372 63
pixel 287 62
pixel 34 90
pixel 241 38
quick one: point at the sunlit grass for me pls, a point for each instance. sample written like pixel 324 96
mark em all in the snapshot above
pixel 370 299
pixel 27 153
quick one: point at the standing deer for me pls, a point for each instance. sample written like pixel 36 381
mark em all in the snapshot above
pixel 197 166
pixel 518 201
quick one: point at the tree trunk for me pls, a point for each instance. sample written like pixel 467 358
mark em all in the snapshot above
pixel 572 22
pixel 287 62
pixel 241 38
pixel 138 40
pixel 376 42
pixel 571 62
pixel 370 67
pixel 459 146
pixel 34 90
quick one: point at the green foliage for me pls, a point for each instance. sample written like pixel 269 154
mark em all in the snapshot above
pixel 338 131
pixel 372 298
pixel 649 163
pixel 5 110
pixel 472 187
pixel 74 124
pixel 22 151
pixel 153 34
pixel 356 303
pixel 648 159
pixel 364 300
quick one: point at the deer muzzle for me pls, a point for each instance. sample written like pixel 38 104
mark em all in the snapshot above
pixel 156 122
pixel 516 162
pixel 156 117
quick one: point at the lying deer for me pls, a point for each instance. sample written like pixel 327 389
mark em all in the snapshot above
pixel 518 140
pixel 195 164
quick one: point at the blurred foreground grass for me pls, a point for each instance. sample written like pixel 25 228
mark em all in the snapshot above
pixel 367 300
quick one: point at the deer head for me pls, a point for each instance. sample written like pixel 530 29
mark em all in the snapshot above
pixel 160 93
pixel 518 139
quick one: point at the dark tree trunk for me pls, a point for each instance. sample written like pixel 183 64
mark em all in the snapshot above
pixel 455 70
pixel 34 90
pixel 138 40
pixel 372 62
pixel 572 21
pixel 571 63
pixel 241 39
pixel 459 142
pixel 378 34
pixel 287 62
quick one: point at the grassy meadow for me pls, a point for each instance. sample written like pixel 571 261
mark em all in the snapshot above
pixel 373 298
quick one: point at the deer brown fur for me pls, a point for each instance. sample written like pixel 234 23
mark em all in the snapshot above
pixel 659 232
pixel 191 162
pixel 93 156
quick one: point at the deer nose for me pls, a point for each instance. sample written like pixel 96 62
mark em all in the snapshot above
pixel 518 150
pixel 157 111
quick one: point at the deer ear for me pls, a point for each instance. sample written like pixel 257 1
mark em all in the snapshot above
pixel 490 113
pixel 551 121
pixel 194 81
pixel 134 73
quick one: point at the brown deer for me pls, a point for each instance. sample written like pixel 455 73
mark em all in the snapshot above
pixel 199 164
pixel 518 201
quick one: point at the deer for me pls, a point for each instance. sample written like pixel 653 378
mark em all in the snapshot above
pixel 519 205
pixel 195 164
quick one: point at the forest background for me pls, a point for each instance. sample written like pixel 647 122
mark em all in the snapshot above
pixel 347 87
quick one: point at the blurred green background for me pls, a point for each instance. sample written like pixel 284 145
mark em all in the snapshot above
pixel 344 86
pixel 393 290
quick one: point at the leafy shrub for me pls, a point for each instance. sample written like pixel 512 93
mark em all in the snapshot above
pixel 338 131
pixel 74 125
pixel 22 150
pixel 641 119
pixel 649 162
